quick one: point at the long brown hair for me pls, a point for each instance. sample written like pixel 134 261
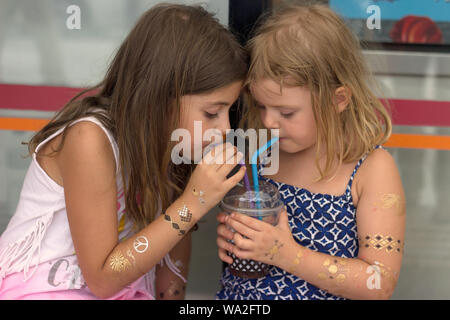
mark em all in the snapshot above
pixel 173 50
pixel 310 45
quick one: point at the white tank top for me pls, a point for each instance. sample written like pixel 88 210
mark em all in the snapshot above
pixel 39 230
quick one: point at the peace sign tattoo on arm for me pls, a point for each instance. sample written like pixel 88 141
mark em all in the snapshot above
pixel 120 263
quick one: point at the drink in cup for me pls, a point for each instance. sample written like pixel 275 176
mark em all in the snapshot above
pixel 264 205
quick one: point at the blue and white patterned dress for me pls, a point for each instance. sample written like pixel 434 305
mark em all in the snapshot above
pixel 320 222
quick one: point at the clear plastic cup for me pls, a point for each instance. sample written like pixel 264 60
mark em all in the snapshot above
pixel 264 205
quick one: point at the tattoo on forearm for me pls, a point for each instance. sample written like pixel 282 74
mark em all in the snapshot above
pixel 335 270
pixel 274 250
pixel 131 256
pixel 185 216
pixel 299 256
pixel 141 244
pixel 175 289
pixel 118 262
pixel 380 242
pixel 199 194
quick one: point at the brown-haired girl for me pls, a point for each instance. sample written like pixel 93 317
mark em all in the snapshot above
pixel 343 233
pixel 102 203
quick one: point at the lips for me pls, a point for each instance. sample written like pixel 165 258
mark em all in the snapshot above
pixel 416 29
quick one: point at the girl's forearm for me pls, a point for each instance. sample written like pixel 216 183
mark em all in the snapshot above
pixel 350 278
pixel 135 256
pixel 168 285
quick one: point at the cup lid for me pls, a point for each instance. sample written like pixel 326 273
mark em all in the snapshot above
pixel 249 201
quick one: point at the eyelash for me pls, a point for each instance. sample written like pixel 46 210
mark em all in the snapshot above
pixel 211 115
pixel 284 115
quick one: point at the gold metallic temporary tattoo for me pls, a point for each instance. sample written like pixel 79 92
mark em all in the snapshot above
pixel 274 250
pixel 174 225
pixel 118 262
pixel 386 271
pixel 200 194
pixel 299 256
pixel 389 201
pixel 131 256
pixel 381 242
pixel 185 214
pixel 141 244
pixel 175 289
pixel 334 270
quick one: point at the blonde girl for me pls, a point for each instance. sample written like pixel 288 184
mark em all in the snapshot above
pixel 342 235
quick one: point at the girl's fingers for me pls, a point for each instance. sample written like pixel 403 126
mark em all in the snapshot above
pixel 242 243
pixel 242 228
pixel 225 257
pixel 223 244
pixel 215 152
pixel 233 158
pixel 253 224
pixel 223 155
pixel 234 180
pixel 221 216
pixel 242 254
pixel 224 232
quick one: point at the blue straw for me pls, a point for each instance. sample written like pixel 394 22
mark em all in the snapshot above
pixel 255 170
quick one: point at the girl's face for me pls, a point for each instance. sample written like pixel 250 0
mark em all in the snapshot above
pixel 211 109
pixel 290 111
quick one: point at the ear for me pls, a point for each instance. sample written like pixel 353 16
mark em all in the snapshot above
pixel 342 97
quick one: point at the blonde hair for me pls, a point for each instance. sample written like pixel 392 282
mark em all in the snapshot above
pixel 311 46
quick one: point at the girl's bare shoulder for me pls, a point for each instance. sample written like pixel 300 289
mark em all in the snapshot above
pixel 86 143
pixel 379 168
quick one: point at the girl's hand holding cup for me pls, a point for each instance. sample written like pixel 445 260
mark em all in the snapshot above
pixel 209 182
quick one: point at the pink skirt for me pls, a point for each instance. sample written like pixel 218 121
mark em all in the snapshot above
pixel 47 285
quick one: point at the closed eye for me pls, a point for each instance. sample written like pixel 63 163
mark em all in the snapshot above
pixel 211 115
pixel 287 115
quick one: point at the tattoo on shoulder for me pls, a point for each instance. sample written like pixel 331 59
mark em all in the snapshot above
pixel 388 201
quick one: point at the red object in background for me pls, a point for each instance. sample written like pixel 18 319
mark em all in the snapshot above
pixel 415 29
pixel 42 98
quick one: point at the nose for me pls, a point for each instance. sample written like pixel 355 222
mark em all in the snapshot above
pixel 224 125
pixel 270 120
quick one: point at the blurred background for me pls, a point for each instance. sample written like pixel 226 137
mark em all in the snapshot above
pixel 45 58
